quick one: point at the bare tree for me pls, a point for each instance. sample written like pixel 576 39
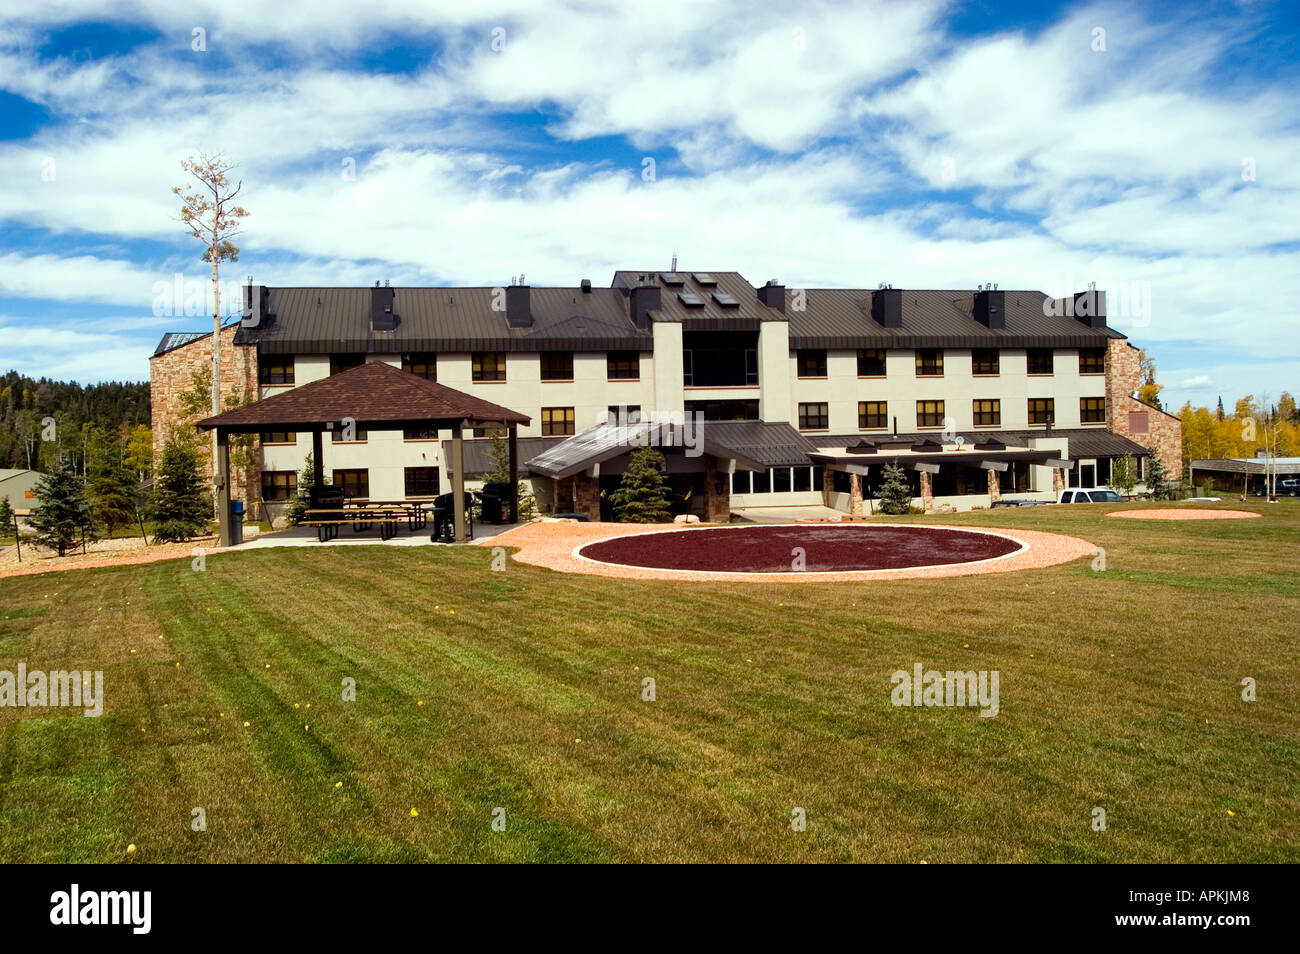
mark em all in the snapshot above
pixel 211 215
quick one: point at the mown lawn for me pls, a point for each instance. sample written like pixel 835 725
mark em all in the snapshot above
pixel 522 690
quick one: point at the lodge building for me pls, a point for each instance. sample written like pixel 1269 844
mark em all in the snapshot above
pixel 803 394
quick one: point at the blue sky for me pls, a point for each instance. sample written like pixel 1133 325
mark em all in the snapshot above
pixel 1149 148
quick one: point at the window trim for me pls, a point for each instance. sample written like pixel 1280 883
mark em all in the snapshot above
pixel 918 364
pixel 884 364
pixel 291 486
pixel 824 416
pixel 997 363
pixel 1083 373
pixel 823 364
pixel 610 361
pixel 1101 410
pixel 1040 374
pixel 541 361
pixel 482 360
pixel 286 360
pixel 941 412
pixel 1051 409
pixel 976 412
pixel 883 413
pixel 569 421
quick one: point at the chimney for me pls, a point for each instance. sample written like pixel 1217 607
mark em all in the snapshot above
pixel 773 295
pixel 383 314
pixel 586 286
pixel 1090 307
pixel 990 307
pixel 257 299
pixel 644 298
pixel 519 306
pixel 887 307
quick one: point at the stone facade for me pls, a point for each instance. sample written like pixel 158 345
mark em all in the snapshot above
pixel 1129 417
pixel 717 505
pixel 927 492
pixel 170 375
pixel 995 486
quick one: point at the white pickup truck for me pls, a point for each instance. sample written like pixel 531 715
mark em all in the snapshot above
pixel 1088 495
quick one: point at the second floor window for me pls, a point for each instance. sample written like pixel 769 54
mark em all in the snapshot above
pixel 1092 410
pixel 557 365
pixel 1039 360
pixel 1042 410
pixel 929 363
pixel 873 414
pixel 1092 360
pixel 812 363
pixel 987 413
pixel 557 421
pixel 420 434
pixel 871 362
pixel 984 361
pixel 488 366
pixel 929 414
pixel 279 437
pixel 340 436
pixel 421 363
pixel 275 369
pixel 623 365
pixel 813 417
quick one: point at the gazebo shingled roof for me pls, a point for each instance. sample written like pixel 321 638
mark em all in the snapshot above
pixel 370 393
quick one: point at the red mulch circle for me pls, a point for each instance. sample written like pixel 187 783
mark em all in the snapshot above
pixel 827 549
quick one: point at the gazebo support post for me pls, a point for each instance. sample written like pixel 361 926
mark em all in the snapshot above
pixel 318 457
pixel 223 488
pixel 458 480
pixel 514 473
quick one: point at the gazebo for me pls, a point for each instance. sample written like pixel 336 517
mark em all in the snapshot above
pixel 372 396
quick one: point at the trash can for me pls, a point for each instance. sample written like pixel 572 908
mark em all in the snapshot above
pixel 236 522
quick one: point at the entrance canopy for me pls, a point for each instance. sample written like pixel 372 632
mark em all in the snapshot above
pixel 608 441
pixel 371 396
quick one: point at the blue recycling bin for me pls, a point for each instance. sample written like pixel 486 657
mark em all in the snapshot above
pixel 236 522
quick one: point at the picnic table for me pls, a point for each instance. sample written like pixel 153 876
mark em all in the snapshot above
pixel 362 514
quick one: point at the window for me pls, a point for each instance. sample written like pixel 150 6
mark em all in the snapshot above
pixel 1092 410
pixel 557 365
pixel 488 365
pixel 762 482
pixel 275 369
pixel 813 417
pixel 780 480
pixel 278 437
pixel 342 362
pixel 984 361
pixel 623 365
pixel 929 363
pixel 625 413
pixel 422 482
pixel 1039 360
pixel 420 434
pixel 740 482
pixel 803 479
pixel 557 421
pixel 873 414
pixel 987 413
pixel 871 362
pixel 355 483
pixel 1042 410
pixel 929 414
pixel 339 434
pixel 422 363
pixel 811 362
pixel 279 484
pixel 1092 360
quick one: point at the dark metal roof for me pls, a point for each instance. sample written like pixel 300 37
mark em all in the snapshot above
pixel 1255 465
pixel 841 318
pixel 746 315
pixel 1084 441
pixel 374 395
pixel 447 319
pixel 610 441
pixel 770 444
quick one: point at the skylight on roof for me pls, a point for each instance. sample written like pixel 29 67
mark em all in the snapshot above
pixel 704 278
pixel 725 300
pixel 672 278
pixel 690 299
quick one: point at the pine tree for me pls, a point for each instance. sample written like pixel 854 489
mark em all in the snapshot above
pixel 112 490
pixel 640 495
pixel 178 507
pixel 300 504
pixel 6 517
pixel 1218 413
pixel 1157 482
pixel 499 454
pixel 63 515
pixel 895 493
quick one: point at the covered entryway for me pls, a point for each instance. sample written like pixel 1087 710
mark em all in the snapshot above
pixel 371 396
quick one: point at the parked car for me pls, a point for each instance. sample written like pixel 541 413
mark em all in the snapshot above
pixel 1089 495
